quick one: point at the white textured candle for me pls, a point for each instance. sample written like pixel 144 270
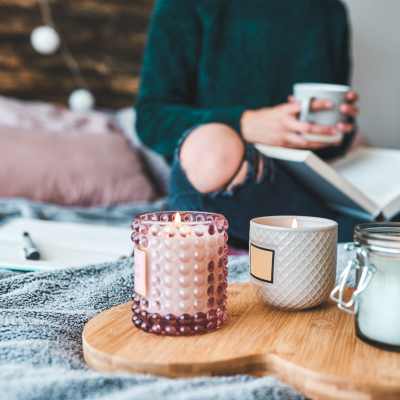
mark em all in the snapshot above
pixel 293 259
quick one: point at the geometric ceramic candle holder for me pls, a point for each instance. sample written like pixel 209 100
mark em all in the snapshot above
pixel 180 272
pixel 293 260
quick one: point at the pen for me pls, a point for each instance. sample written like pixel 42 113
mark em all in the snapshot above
pixel 31 252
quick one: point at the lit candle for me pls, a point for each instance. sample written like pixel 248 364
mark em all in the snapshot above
pixel 293 259
pixel 180 272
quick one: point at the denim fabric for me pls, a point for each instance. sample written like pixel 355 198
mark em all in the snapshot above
pixel 277 193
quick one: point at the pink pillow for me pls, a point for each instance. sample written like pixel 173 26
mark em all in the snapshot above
pixel 36 116
pixel 71 169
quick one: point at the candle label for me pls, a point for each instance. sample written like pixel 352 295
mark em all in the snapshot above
pixel 140 272
pixel 262 263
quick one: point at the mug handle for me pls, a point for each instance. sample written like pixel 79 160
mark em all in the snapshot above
pixel 305 109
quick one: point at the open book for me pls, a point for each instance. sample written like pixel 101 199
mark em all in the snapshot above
pixel 364 183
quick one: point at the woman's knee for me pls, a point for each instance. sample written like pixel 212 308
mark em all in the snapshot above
pixel 211 155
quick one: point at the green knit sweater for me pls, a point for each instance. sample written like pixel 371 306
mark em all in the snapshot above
pixel 209 60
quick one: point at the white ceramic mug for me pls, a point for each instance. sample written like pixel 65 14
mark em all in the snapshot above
pixel 293 260
pixel 305 93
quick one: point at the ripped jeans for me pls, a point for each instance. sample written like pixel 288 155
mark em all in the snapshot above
pixel 275 193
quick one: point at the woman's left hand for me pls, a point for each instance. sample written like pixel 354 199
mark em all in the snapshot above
pixel 349 109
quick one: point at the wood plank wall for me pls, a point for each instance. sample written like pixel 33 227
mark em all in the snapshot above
pixel 105 36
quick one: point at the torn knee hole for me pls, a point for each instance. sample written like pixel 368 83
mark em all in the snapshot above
pixel 260 170
pixel 241 177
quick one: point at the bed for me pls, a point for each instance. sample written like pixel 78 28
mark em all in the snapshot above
pixel 42 317
pixel 42 314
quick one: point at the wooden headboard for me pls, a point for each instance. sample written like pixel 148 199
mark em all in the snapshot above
pixel 106 37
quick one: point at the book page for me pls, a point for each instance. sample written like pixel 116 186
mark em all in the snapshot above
pixel 318 176
pixel 373 171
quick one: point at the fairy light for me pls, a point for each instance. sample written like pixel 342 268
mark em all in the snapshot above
pixel 46 40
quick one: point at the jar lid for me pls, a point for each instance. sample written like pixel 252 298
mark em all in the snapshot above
pixel 380 237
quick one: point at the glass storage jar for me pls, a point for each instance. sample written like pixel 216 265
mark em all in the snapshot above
pixel 376 299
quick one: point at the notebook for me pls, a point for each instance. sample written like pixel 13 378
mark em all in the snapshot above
pixel 365 183
pixel 61 244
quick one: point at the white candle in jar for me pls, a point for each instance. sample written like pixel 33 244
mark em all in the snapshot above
pixel 376 299
pixel 378 316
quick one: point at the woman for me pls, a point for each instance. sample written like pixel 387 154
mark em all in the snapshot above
pixel 216 79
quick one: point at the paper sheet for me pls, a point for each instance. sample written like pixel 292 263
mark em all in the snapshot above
pixel 61 244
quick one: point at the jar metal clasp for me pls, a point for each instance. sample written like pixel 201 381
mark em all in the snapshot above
pixel 365 271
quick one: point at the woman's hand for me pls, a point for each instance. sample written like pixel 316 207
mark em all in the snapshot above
pixel 279 126
pixel 349 109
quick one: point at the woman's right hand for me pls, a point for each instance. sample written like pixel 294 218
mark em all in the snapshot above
pixel 279 126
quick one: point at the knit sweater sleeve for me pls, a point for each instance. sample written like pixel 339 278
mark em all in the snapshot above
pixel 165 106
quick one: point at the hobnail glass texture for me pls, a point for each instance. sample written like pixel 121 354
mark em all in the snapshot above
pixel 186 273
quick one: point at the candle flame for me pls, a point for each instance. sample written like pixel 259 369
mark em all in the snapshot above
pixel 177 219
pixel 295 224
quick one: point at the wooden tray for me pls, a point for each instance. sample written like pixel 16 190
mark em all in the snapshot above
pixel 315 351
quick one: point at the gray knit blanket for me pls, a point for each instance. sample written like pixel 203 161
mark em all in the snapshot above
pixel 42 316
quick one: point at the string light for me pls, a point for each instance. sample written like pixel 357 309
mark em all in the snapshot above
pixel 46 40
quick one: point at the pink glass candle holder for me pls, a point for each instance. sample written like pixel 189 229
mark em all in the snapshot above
pixel 180 272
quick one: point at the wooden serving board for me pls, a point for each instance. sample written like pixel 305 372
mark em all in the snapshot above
pixel 315 351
